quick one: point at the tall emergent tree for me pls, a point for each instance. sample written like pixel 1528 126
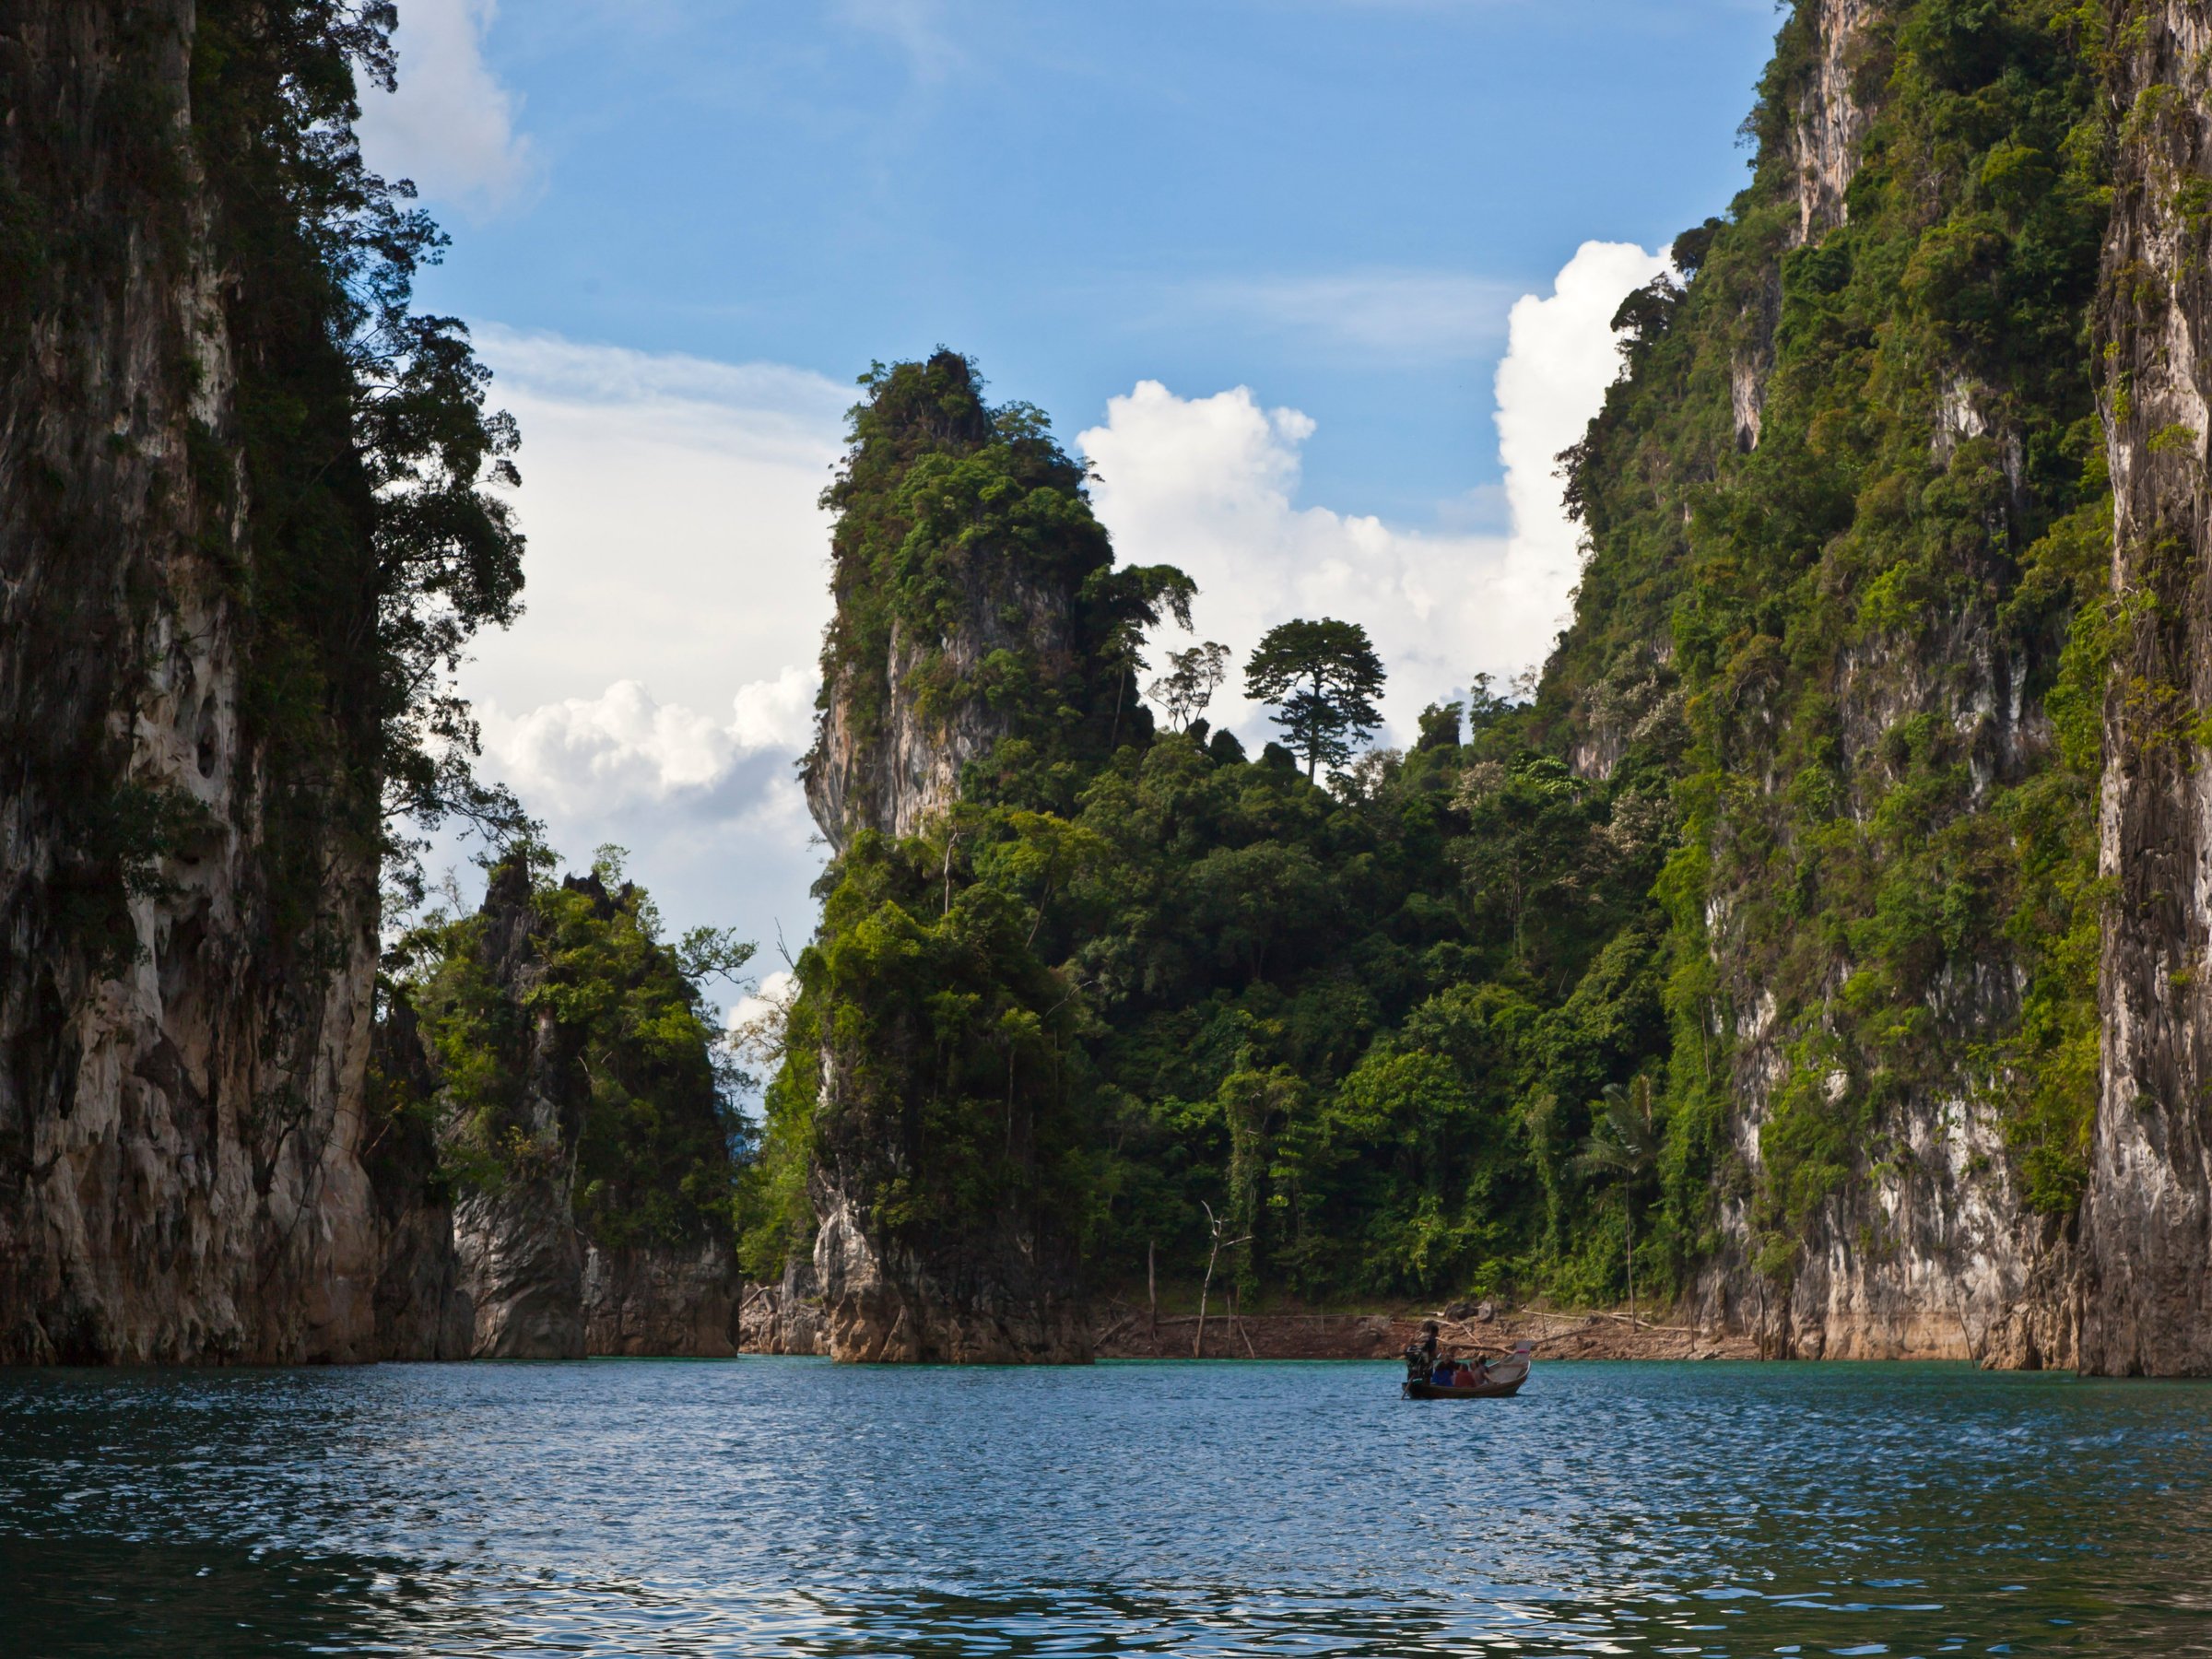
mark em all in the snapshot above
pixel 1192 677
pixel 1623 1153
pixel 1323 679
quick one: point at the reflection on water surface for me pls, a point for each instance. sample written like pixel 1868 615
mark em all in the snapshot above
pixel 790 1507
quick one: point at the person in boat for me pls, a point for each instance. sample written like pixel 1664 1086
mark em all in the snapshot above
pixel 1420 1354
pixel 1446 1374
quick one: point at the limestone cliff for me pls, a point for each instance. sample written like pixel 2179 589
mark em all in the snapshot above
pixel 978 621
pixel 785 1317
pixel 1828 106
pixel 929 660
pixel 184 964
pixel 643 1299
pixel 422 1310
pixel 2146 1222
pixel 1841 508
pixel 551 1056
pixel 519 1255
pixel 897 766
pixel 1000 1295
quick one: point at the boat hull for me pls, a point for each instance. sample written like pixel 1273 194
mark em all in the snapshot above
pixel 1478 1391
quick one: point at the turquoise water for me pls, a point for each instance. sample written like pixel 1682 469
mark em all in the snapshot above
pixel 793 1507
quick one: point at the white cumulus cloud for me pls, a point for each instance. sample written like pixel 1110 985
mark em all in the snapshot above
pixel 1561 355
pixel 660 685
pixel 1211 484
pixel 451 126
pixel 764 1005
pixel 670 503
pixel 603 755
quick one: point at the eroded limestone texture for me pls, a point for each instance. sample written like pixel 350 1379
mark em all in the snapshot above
pixel 785 1317
pixel 179 1072
pixel 2146 1222
pixel 963 1306
pixel 661 1302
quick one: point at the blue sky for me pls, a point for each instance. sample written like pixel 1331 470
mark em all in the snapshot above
pixel 1212 192
pixel 1258 258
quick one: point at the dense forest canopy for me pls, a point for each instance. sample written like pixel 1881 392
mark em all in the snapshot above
pixel 1132 976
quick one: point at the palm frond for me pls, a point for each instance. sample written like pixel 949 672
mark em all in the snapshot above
pixel 1623 1146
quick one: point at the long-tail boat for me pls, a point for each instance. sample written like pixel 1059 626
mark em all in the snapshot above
pixel 1495 1380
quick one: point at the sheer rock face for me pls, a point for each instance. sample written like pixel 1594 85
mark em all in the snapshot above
pixel 2146 1222
pixel 1830 118
pixel 1929 1251
pixel 888 757
pixel 1932 1257
pixel 1004 1294
pixel 785 1317
pixel 661 1302
pixel 535 1287
pixel 521 1269
pixel 995 1306
pixel 1827 127
pixel 422 1311
pixel 178 1101
pixel 519 1255
pixel 908 770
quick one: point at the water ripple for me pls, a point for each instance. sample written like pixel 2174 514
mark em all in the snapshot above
pixel 790 1507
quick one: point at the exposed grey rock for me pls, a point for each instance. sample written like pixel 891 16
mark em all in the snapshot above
pixel 910 770
pixel 2146 1222
pixel 1829 116
pixel 640 1300
pixel 1929 1250
pixel 180 1078
pixel 785 1317
pixel 422 1312
pixel 990 1307
pixel 521 1269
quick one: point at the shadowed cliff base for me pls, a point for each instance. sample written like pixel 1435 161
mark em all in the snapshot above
pixel 1555 1336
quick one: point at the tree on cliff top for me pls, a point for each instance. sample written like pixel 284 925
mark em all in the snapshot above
pixel 1322 677
pixel 965 532
pixel 1192 677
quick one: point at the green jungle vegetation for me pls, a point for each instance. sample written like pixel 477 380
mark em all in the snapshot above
pixel 1819 747
pixel 563 1040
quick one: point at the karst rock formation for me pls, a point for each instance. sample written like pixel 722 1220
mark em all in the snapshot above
pixel 1899 540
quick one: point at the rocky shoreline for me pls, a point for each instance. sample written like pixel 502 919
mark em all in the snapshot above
pixel 788 1318
pixel 1555 1336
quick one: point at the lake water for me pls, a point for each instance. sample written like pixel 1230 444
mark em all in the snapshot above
pixel 793 1507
